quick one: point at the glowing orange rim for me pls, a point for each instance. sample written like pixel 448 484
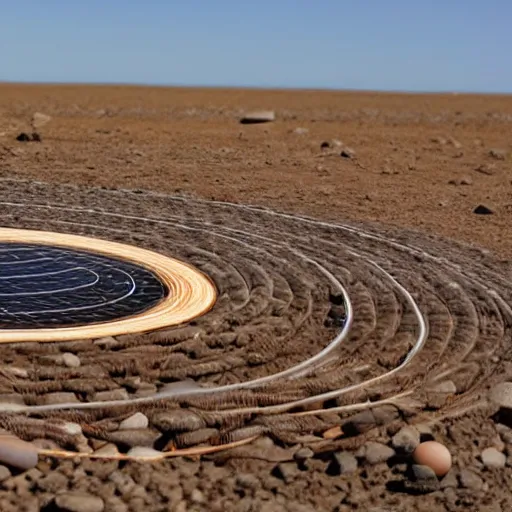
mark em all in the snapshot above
pixel 191 293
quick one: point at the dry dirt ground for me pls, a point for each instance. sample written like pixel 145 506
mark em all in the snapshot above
pixel 391 224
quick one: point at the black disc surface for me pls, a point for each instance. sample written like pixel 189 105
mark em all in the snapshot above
pixel 43 286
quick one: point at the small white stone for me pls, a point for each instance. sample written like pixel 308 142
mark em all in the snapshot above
pixel 73 429
pixel 492 458
pixel 70 360
pixel 39 119
pixel 144 452
pixel 108 449
pixel 137 420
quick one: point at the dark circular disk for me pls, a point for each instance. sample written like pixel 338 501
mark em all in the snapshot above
pixel 44 286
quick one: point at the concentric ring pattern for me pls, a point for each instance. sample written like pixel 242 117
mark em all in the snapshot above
pixel 314 323
pixel 61 287
pixel 49 286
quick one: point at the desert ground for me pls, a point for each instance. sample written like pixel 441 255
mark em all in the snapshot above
pixel 401 201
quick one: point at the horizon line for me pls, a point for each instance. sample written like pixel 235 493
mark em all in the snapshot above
pixel 255 87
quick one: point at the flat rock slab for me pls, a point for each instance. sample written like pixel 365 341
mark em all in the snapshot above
pixel 261 116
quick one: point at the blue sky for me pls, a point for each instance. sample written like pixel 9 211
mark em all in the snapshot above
pixel 413 45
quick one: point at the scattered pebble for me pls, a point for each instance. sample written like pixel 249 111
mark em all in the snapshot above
pixel 470 480
pixel 73 429
pixel 343 463
pixel 375 453
pixel 498 154
pixel 108 342
pixel 483 210
pixel 261 116
pixel 107 396
pixel 287 471
pixel 137 420
pixel 423 480
pixel 39 120
pixel 134 437
pixel 492 458
pixel 445 386
pixel 301 131
pixel 79 502
pixel 461 181
pixel 62 397
pixel 406 440
pixel 109 449
pixel 248 481
pixel 487 169
pixel 177 421
pixel 17 453
pixel 303 454
pixel 347 153
pixel 435 455
pixel 70 360
pixel 23 137
pixel 501 395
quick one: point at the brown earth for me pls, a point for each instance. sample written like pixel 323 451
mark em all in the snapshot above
pixel 412 162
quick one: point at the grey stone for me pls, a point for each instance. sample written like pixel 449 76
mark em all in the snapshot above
pixel 248 481
pixel 114 394
pixel 470 480
pixel 492 458
pixel 449 480
pixel 344 462
pixel 79 502
pixel 501 395
pixel 424 480
pixel 374 453
pixel 134 437
pixel 137 420
pixel 60 398
pixel 406 440
pixel 17 453
pixel 287 471
pixel 177 421
pixel 303 454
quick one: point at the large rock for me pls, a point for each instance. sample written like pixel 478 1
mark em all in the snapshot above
pixel 17 453
pixel 260 116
